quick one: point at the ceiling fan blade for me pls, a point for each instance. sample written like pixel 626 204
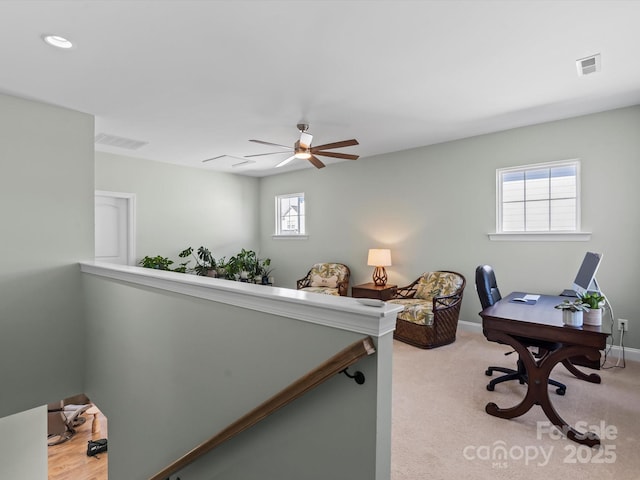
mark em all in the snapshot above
pixel 344 143
pixel 285 161
pixel 346 156
pixel 316 162
pixel 269 143
pixel 263 154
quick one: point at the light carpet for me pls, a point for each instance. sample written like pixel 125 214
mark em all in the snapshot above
pixel 441 430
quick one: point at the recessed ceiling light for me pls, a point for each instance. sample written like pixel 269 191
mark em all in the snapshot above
pixel 57 41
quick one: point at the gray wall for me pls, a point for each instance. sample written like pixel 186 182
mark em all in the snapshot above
pixel 46 213
pixel 434 206
pixel 178 207
pixel 23 449
pixel 46 218
pixel 170 371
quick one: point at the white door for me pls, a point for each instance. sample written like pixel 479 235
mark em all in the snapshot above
pixel 114 221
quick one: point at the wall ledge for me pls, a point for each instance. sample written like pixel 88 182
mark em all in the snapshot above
pixel 540 236
pixel 338 312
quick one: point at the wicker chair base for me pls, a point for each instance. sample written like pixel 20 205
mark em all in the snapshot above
pixel 423 336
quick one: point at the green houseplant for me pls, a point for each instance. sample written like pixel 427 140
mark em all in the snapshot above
pixel 245 263
pixel 162 263
pixel 264 270
pixel 572 312
pixel 205 263
pixel 596 303
pixel 158 262
pixel 221 267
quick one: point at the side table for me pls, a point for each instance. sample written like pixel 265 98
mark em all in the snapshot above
pixel 371 290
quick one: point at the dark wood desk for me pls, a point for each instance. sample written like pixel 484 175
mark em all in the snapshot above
pixel 507 322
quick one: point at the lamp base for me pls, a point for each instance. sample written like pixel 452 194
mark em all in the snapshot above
pixel 380 276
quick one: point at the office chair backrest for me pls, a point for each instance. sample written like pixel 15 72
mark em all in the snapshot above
pixel 487 286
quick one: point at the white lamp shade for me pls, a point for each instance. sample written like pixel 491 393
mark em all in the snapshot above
pixel 379 257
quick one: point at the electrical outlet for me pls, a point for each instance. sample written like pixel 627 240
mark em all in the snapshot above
pixel 623 324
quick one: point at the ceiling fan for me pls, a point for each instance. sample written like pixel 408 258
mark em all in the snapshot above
pixel 302 149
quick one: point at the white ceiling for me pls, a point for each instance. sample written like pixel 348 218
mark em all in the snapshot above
pixel 198 79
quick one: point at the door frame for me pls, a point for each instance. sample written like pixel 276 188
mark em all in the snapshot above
pixel 130 199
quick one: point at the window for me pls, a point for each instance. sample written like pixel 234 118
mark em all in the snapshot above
pixel 539 198
pixel 290 215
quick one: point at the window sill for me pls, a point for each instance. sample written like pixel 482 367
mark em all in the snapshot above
pixel 540 237
pixel 290 237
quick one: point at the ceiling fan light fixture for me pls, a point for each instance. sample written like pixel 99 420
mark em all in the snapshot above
pixel 303 155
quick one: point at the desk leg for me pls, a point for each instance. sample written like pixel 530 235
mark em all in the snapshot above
pixel 538 373
pixel 593 377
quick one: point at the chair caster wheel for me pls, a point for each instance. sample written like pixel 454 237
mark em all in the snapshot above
pixel 561 391
pixel 490 387
pixel 488 373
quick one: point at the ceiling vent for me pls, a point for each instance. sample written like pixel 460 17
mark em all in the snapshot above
pixel 588 65
pixel 120 142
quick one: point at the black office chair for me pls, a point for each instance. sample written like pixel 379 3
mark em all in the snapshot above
pixel 489 293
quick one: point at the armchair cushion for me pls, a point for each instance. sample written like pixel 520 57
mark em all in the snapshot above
pixel 320 281
pixel 416 310
pixel 328 278
pixel 325 290
pixel 436 284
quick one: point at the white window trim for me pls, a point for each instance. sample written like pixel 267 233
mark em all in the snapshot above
pixel 540 236
pixel 573 236
pixel 275 236
pixel 287 236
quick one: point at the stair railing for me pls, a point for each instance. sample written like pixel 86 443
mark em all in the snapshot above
pixel 323 372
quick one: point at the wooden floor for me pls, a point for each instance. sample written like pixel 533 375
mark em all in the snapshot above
pixel 69 460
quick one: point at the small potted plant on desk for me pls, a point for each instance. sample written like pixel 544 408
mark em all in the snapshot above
pixel 596 303
pixel 572 312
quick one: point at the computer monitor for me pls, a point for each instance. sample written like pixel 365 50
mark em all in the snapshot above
pixel 586 278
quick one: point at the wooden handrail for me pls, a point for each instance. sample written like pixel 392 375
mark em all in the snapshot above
pixel 304 384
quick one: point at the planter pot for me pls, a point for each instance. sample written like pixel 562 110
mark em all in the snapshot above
pixel 593 317
pixel 212 273
pixel 572 319
pixel 244 274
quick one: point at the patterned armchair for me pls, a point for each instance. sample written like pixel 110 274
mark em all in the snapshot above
pixel 431 309
pixel 328 278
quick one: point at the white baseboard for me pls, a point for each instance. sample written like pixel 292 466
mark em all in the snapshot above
pixel 632 354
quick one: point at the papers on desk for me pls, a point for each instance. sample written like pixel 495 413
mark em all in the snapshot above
pixel 526 299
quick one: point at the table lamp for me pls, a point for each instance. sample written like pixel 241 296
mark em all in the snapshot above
pixel 379 258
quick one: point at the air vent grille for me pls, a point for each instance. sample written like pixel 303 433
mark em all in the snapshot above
pixel 588 65
pixel 119 142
